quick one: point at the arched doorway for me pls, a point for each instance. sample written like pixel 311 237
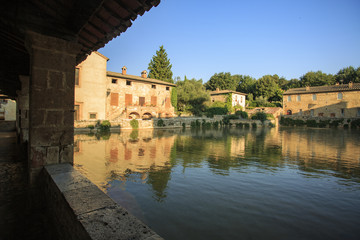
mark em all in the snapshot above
pixel 134 115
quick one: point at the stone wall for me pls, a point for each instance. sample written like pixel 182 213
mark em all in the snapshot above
pixel 78 209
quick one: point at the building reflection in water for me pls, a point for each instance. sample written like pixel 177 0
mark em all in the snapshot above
pixel 148 156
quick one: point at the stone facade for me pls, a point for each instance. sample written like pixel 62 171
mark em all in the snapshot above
pixel 337 101
pixel 90 88
pixel 238 98
pixel 102 95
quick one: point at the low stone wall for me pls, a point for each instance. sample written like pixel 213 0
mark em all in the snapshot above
pixel 7 126
pixel 80 210
pixel 177 122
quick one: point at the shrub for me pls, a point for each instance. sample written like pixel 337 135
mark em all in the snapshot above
pixel 91 127
pixel 259 116
pixel 254 125
pixel 160 123
pixel 134 134
pixel 134 124
pixel 105 125
pixel 311 123
pixel 210 112
pixel 355 123
pixel 299 122
pixel 195 124
pixel 246 125
pixel 323 124
pixel 183 125
pixel 242 114
pixel 239 125
pixel 271 125
pixel 215 124
pixel 287 121
pixel 346 125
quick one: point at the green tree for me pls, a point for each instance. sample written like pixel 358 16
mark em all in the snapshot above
pixel 174 98
pixel 266 86
pixel 293 83
pixel 191 96
pixel 160 67
pixel 246 84
pixel 349 74
pixel 317 79
pixel 223 81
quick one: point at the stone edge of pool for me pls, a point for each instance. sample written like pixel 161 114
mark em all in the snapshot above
pixel 78 209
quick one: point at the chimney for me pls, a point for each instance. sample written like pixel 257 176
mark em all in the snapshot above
pixel 307 88
pixel 123 70
pixel 350 84
pixel 217 89
pixel 144 74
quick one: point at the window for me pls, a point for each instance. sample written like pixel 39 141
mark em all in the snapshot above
pixel 314 97
pixel 128 99
pixel 92 115
pixel 153 86
pixel 76 112
pixel 342 112
pixel 142 101
pixel 153 101
pixel 167 88
pixel 340 96
pixel 298 98
pixel 300 112
pixel 77 70
pixel 114 81
pixel 128 82
pixel 114 99
pixel 289 98
pixel 332 115
pixel 321 114
pixel 312 112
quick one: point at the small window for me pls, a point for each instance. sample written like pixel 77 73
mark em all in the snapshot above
pixel 167 88
pixel 301 112
pixel 312 112
pixel 321 114
pixel 298 98
pixel 142 101
pixel 77 70
pixel 332 115
pixel 289 98
pixel 128 82
pixel 314 97
pixel 342 112
pixel 340 96
pixel 92 115
pixel 153 86
pixel 114 81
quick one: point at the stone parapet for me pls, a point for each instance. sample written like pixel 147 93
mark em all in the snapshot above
pixel 80 210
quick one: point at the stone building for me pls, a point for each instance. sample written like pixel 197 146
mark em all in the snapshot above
pixel 7 109
pixel 105 95
pixel 336 101
pixel 238 98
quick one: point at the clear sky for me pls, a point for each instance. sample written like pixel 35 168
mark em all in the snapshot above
pixel 249 37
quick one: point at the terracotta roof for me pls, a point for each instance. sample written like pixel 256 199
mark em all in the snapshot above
pixel 137 78
pixel 320 89
pixel 220 92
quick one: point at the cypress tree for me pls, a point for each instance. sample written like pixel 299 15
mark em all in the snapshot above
pixel 160 67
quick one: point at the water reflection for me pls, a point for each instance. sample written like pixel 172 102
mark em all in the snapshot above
pixel 148 156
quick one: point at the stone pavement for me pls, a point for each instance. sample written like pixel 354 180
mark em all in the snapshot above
pixel 17 219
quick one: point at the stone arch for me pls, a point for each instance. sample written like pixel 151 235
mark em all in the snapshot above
pixel 134 115
pixel 147 116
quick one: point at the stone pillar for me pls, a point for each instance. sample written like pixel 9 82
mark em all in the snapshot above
pixel 23 110
pixel 51 101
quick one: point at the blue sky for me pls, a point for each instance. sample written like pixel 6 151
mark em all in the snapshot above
pixel 255 38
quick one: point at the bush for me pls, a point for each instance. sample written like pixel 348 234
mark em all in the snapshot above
pixel 271 125
pixel 91 127
pixel 242 114
pixel 183 125
pixel 299 122
pixel 259 116
pixel 254 125
pixel 287 121
pixel 323 124
pixel 105 126
pixel 215 124
pixel 210 112
pixel 160 123
pixel 134 134
pixel 134 124
pixel 355 123
pixel 239 125
pixel 246 125
pixel 311 123
pixel 346 125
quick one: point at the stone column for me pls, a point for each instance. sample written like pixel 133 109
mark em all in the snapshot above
pixel 51 101
pixel 23 109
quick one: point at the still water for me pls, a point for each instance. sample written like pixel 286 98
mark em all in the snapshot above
pixel 282 183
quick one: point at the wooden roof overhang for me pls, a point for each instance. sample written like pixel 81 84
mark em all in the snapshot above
pixel 91 23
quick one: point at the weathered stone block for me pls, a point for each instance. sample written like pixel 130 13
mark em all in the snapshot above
pixel 67 154
pixel 54 118
pixel 52 155
pixel 56 80
pixel 39 78
pixel 37 156
pixel 73 180
pixel 37 117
